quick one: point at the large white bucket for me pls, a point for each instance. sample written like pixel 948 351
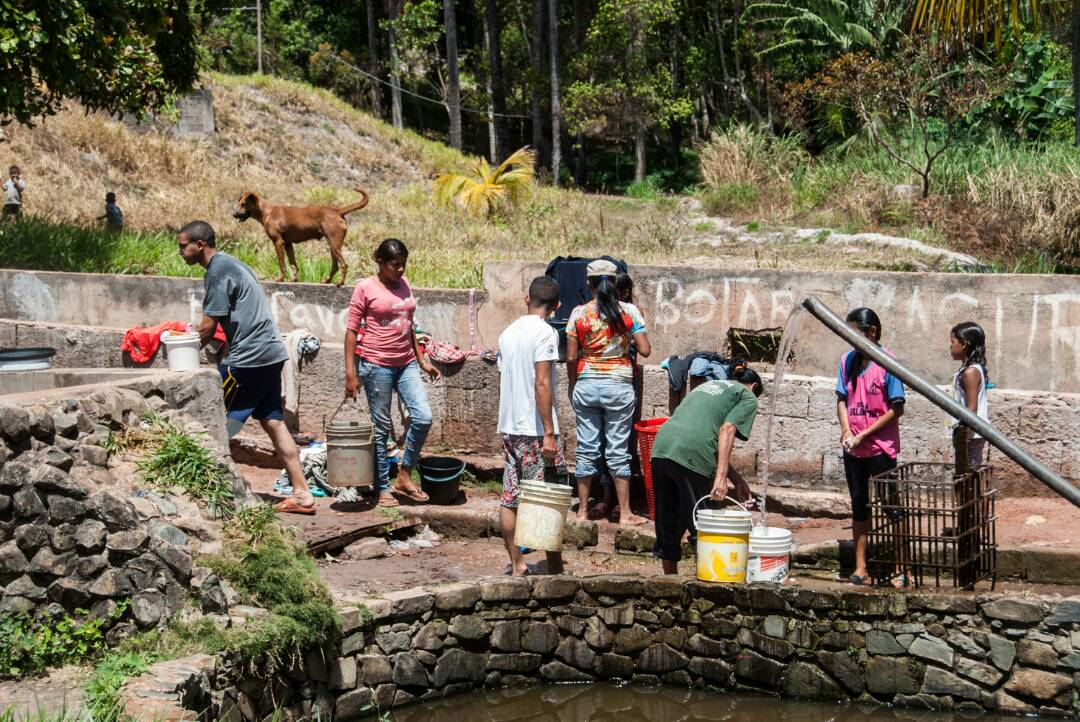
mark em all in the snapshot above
pixel 182 350
pixel 722 543
pixel 541 515
pixel 350 453
pixel 770 554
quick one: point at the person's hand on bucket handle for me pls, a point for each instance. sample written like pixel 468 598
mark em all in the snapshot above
pixel 352 385
pixel 549 448
pixel 720 489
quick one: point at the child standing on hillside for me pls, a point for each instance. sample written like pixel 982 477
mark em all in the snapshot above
pixel 13 190
pixel 967 344
pixel 528 352
pixel 870 402
pixel 113 217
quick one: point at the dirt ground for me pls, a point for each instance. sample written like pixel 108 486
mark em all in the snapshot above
pixel 55 696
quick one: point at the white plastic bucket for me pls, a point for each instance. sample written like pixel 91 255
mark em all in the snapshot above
pixel 182 350
pixel 541 515
pixel 350 454
pixel 770 554
pixel 722 543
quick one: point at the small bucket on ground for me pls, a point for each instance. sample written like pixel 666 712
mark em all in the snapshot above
pixel 182 350
pixel 541 515
pixel 440 478
pixel 350 453
pixel 723 538
pixel 770 554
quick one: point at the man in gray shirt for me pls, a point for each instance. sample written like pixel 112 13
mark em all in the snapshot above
pixel 251 369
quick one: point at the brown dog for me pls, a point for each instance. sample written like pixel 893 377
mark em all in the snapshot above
pixel 286 225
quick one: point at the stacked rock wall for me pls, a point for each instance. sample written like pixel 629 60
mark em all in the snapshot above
pixel 995 652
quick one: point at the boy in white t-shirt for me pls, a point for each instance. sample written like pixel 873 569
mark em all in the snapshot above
pixel 528 352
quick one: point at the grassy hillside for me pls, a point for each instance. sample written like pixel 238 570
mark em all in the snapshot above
pixel 295 144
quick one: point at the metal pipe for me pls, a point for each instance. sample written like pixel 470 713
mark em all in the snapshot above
pixel 1035 467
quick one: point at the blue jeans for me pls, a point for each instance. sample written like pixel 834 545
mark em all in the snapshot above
pixel 379 383
pixel 603 407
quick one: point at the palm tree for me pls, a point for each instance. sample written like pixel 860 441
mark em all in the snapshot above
pixel 811 25
pixel 488 188
pixel 493 29
pixel 556 107
pixel 453 101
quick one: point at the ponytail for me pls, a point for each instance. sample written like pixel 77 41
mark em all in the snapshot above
pixel 973 337
pixel 607 302
pixel 865 320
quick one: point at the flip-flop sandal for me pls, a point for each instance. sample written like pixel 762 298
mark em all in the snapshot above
pixel 856 580
pixel 414 494
pixel 291 506
pixel 303 438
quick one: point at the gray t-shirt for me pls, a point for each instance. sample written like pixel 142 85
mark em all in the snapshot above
pixel 13 192
pixel 235 297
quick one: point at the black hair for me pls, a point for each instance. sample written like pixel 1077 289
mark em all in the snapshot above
pixel 544 291
pixel 390 249
pixel 14 169
pixel 742 373
pixel 625 286
pixel 973 337
pixel 200 231
pixel 607 301
pixel 110 196
pixel 864 319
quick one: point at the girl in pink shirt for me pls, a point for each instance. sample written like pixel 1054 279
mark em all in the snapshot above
pixel 381 350
pixel 870 402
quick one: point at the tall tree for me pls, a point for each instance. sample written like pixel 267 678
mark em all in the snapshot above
pixel 453 99
pixel 1076 68
pixel 393 11
pixel 111 55
pixel 536 55
pixel 493 31
pixel 373 59
pixel 556 107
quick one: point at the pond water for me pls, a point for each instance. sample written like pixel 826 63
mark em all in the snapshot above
pixel 604 702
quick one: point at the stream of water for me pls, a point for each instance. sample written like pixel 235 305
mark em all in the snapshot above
pixel 787 338
pixel 610 703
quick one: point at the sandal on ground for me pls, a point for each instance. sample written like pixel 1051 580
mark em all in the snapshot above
pixel 899 582
pixel 291 506
pixel 387 499
pixel 856 580
pixel 303 438
pixel 600 511
pixel 413 493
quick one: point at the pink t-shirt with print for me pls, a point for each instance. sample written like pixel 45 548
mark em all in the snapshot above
pixel 871 397
pixel 383 321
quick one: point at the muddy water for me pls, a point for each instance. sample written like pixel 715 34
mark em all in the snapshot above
pixel 600 702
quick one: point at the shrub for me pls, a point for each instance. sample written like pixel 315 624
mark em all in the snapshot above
pixel 177 459
pixel 30 645
pixel 745 154
pixel 730 198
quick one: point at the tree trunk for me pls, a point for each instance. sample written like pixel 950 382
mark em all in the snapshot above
pixel 639 152
pixel 1076 66
pixel 493 30
pixel 373 59
pixel 453 95
pixel 395 68
pixel 556 106
pixel 536 48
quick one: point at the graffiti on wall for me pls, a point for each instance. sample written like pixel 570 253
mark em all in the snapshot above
pixel 1026 332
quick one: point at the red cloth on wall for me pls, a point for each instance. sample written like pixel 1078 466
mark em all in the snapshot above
pixel 141 343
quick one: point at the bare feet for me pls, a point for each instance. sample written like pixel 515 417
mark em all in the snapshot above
pixel 632 520
pixel 387 499
pixel 581 517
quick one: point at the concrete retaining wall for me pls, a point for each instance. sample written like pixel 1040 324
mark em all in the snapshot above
pixel 1032 322
pixel 1013 654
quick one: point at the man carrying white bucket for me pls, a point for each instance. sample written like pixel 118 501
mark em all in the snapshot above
pixel 528 352
pixel 691 456
pixel 251 370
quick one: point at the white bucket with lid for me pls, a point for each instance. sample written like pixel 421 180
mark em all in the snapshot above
pixel 541 515
pixel 722 543
pixel 182 350
pixel 770 554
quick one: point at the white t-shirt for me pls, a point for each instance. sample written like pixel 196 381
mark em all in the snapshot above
pixel 524 342
pixel 13 192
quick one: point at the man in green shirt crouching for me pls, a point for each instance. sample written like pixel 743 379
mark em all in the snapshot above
pixel 691 456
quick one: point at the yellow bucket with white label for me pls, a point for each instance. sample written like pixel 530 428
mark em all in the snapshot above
pixel 723 540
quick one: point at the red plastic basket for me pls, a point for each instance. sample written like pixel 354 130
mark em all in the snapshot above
pixel 647 429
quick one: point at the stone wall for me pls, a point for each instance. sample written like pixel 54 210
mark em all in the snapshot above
pixel 77 531
pixel 1016 654
pixel 1032 321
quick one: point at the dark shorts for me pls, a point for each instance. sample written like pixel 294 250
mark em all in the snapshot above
pixel 858 472
pixel 12 209
pixel 675 489
pixel 253 392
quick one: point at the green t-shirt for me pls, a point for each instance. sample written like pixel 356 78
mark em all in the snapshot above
pixel 689 436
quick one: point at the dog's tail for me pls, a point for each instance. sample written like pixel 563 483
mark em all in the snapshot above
pixel 355 206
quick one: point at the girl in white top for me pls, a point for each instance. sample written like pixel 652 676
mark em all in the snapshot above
pixel 968 346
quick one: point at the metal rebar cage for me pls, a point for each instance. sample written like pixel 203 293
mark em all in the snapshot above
pixel 928 523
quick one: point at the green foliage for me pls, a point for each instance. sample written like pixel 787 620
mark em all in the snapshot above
pixel 829 27
pixel 106 682
pixel 727 198
pixel 30 645
pixel 175 458
pixel 487 189
pixel 253 522
pixel 1037 100
pixel 646 190
pixel 40 714
pixel 110 55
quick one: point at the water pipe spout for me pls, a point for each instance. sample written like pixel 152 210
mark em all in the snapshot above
pixel 937 397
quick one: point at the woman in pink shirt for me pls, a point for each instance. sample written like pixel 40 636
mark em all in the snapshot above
pixel 870 402
pixel 381 350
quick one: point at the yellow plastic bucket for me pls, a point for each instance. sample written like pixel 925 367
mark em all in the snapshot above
pixel 723 539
